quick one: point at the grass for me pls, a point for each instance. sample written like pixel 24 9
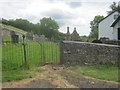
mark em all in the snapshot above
pixel 11 27
pixel 13 62
pixel 103 72
pixel 20 74
pixel 36 54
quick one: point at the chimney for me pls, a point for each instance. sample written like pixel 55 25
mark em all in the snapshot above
pixel 67 28
pixel 75 28
pixel 68 31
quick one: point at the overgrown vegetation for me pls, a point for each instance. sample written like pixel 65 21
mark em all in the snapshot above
pixel 36 53
pixel 103 72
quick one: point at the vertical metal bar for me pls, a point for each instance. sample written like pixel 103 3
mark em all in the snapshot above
pixel 49 51
pixel 24 47
pixel 43 52
pixel 12 58
pixel 56 52
pixel 52 51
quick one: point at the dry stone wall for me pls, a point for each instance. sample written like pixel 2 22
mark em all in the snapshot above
pixel 73 52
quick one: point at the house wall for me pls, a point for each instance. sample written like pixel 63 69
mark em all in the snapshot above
pixel 115 29
pixel 105 29
pixel 73 52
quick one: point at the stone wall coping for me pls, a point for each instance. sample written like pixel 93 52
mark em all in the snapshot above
pixel 108 45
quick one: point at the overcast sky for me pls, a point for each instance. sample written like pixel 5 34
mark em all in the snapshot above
pixel 72 13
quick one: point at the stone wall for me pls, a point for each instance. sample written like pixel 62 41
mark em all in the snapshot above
pixel 73 52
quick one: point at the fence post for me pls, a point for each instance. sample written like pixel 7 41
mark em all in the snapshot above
pixel 61 52
pixel 24 47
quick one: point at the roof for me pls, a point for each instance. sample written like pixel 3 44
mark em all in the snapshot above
pixel 114 23
pixel 107 16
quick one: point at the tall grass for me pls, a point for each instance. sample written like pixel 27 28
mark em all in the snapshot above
pixel 36 54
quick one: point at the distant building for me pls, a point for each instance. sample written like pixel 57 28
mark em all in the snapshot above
pixel 9 32
pixel 72 37
pixel 109 27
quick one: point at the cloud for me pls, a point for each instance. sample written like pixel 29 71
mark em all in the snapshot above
pixel 73 13
pixel 74 4
pixel 58 14
pixel 62 17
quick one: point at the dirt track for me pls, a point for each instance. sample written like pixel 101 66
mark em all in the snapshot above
pixel 55 77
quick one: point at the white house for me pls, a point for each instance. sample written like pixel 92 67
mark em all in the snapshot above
pixel 109 27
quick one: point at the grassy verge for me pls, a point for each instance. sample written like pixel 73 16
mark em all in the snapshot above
pixel 103 72
pixel 11 27
pixel 20 74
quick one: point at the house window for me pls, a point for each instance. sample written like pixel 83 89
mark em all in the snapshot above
pixel 116 16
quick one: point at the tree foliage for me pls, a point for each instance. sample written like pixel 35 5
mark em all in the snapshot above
pixel 49 27
pixel 94 26
pixel 114 7
pixel 46 26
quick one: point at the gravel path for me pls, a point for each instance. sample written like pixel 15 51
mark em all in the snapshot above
pixel 41 83
pixel 56 77
pixel 90 82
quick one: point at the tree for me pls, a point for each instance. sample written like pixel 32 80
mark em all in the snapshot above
pixel 94 26
pixel 49 27
pixel 114 7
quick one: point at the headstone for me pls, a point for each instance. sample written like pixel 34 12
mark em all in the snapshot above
pixel 36 37
pixel 12 33
pixel 42 38
pixel 29 35
pixel 15 38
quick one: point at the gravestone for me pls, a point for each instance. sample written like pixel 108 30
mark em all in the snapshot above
pixel 29 35
pixel 43 38
pixel 15 38
pixel 36 37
